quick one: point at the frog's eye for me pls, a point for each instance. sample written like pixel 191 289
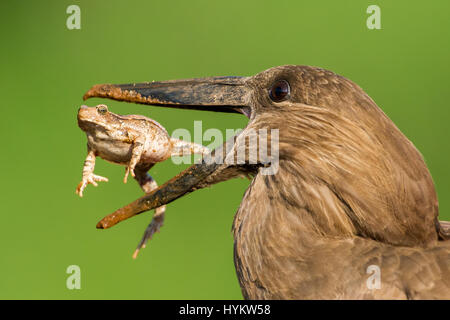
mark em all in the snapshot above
pixel 102 109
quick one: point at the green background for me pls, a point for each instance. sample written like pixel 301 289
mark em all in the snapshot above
pixel 46 69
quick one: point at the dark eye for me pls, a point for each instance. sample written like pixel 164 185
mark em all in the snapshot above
pixel 279 91
pixel 102 109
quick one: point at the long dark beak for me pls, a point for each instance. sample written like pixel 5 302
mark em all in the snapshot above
pixel 223 94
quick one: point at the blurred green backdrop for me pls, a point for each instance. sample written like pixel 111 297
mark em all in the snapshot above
pixel 46 68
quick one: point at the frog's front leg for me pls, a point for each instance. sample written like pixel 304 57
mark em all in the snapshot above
pixel 148 184
pixel 88 173
pixel 136 153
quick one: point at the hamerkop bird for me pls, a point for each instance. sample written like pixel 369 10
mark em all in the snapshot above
pixel 350 194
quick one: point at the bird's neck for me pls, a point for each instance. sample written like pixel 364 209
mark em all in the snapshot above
pixel 335 182
pixel 297 209
pixel 347 176
pixel 276 227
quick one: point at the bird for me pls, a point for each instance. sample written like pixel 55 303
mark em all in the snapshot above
pixel 350 193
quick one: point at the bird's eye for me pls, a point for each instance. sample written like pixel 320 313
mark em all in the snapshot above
pixel 102 109
pixel 279 91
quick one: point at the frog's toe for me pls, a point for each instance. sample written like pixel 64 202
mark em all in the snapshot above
pixel 100 178
pixel 125 178
pixel 128 171
pixel 91 179
pixel 79 189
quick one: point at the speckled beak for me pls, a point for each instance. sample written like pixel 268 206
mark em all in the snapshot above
pixel 221 94
pixel 173 189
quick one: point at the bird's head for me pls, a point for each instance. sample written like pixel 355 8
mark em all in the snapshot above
pixel 279 97
pixel 330 134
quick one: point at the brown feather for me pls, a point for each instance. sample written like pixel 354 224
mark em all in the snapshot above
pixel 351 191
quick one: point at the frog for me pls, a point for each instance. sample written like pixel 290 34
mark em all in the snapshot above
pixel 134 141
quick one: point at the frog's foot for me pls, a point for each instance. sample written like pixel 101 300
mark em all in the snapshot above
pixel 154 226
pixel 128 170
pixel 89 179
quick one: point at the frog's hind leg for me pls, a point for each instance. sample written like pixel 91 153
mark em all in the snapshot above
pixel 181 148
pixel 148 184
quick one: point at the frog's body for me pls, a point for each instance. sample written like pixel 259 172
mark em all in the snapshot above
pixel 134 141
pixel 114 141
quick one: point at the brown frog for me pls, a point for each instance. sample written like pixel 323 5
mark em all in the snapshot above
pixel 134 141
